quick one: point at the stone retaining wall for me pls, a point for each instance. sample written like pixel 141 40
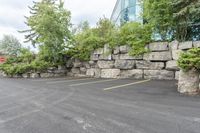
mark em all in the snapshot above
pixel 160 63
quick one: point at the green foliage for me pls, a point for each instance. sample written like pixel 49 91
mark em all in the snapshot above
pixel 10 45
pixel 186 19
pixel 92 38
pixel 190 60
pixel 137 36
pixel 39 65
pixel 50 24
pixel 159 14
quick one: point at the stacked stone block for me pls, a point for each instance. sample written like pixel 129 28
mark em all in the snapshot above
pixel 159 63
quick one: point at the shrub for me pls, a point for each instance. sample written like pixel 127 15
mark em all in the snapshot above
pixel 137 36
pixel 190 60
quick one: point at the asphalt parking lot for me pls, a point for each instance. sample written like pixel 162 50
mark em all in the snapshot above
pixel 86 105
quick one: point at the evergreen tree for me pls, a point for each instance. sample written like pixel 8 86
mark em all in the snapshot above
pixel 10 45
pixel 49 28
pixel 158 13
pixel 187 18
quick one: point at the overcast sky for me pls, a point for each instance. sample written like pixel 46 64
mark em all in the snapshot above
pixel 12 13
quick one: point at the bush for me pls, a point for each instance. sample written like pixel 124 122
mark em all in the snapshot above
pixel 137 36
pixel 190 60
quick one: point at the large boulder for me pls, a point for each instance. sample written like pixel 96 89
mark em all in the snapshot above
pixel 75 70
pixel 176 54
pixel 177 75
pixel 116 50
pixel 128 57
pixel 173 45
pixel 105 64
pixel 110 73
pixel 46 75
pixel 185 45
pixel 35 75
pixel 115 57
pixel 124 64
pixel 98 51
pixel 94 57
pixel 159 74
pixel 143 64
pixel 124 49
pixel 93 72
pixel 158 46
pixel 196 44
pixel 172 65
pixel 188 82
pixel 135 74
pixel 105 57
pixel 77 63
pixel 158 56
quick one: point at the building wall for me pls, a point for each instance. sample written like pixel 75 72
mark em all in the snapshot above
pixel 126 10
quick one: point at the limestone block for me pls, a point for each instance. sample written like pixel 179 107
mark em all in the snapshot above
pixel 159 74
pixel 105 64
pixel 185 45
pixel 115 57
pixel 93 72
pixel 98 51
pixel 124 49
pixel 86 65
pixel 107 50
pixel 116 50
pixel 77 63
pixel 143 64
pixel 135 74
pixel 61 67
pixel 51 69
pixel 172 65
pixel 91 62
pixel 69 64
pixel 59 74
pixel 83 70
pixel 75 70
pixel 17 76
pixel 110 73
pixel 188 82
pixel 176 54
pixel 105 57
pixel 196 44
pixel 173 45
pixel 46 75
pixel 26 75
pixel 158 46
pixel 128 57
pixel 124 64
pixel 34 75
pixel 158 56
pixel 94 57
pixel 177 75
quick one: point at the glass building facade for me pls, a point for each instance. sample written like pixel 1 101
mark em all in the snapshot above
pixel 126 11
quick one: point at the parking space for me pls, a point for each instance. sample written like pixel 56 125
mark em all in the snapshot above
pixel 92 105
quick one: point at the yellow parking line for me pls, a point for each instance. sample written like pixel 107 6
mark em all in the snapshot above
pixel 120 86
pixel 66 81
pixel 93 82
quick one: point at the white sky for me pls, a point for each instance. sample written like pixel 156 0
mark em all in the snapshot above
pixel 12 13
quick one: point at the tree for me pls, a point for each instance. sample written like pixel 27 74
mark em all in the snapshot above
pixel 49 28
pixel 187 17
pixel 82 26
pixel 158 13
pixel 10 45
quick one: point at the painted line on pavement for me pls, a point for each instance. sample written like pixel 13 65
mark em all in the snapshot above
pixel 93 82
pixel 120 86
pixel 67 81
